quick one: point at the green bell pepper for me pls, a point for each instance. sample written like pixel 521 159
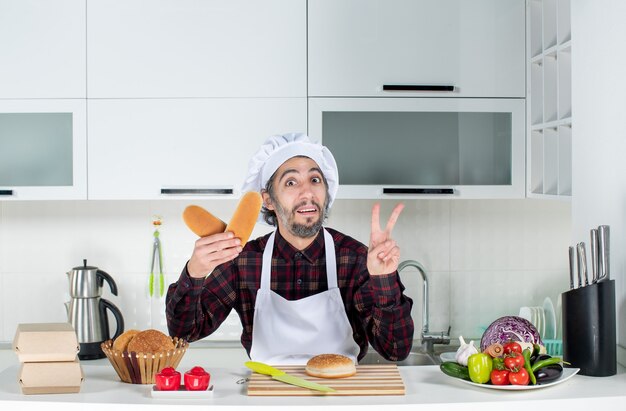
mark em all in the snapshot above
pixel 479 366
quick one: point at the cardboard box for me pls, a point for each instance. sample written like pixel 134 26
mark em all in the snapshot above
pixel 50 377
pixel 46 342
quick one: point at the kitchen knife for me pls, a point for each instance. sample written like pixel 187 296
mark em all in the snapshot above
pixel 594 255
pixel 284 377
pixel 572 265
pixel 582 264
pixel 603 252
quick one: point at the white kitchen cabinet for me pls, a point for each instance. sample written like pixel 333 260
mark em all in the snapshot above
pixel 173 148
pixel 408 148
pixel 43 154
pixel 191 48
pixel 549 142
pixel 358 46
pixel 42 52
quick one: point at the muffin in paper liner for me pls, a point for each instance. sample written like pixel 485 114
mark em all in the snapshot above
pixel 139 368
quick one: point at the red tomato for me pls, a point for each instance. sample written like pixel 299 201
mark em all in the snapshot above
pixel 500 377
pixel 512 347
pixel 514 361
pixel 520 377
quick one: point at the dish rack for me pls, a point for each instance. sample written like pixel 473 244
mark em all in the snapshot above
pixel 554 348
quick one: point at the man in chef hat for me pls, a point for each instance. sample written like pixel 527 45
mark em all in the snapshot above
pixel 302 289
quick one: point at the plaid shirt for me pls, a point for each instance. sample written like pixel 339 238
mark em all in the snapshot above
pixel 376 308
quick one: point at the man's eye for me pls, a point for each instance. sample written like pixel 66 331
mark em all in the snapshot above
pixel 316 180
pixel 290 183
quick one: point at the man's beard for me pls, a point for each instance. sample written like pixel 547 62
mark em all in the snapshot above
pixel 297 229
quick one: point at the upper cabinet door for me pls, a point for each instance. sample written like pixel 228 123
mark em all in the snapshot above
pixel 42 51
pixel 358 46
pixel 190 48
pixel 43 149
pixel 167 148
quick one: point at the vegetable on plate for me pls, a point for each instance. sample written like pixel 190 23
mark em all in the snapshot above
pixel 512 346
pixel 479 366
pixel 499 373
pixel 528 368
pixel 543 361
pixel 454 369
pixel 510 328
pixel 464 351
pixel 514 360
pixel 495 350
pixel 548 373
pixel 519 377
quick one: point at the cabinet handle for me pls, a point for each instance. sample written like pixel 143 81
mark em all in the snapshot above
pixel 196 191
pixel 418 191
pixel 6 193
pixel 416 87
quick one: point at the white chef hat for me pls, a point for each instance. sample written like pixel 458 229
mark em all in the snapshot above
pixel 279 148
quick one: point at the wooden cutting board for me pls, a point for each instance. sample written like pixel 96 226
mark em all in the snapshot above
pixel 369 380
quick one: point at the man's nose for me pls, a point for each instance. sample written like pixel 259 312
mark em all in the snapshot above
pixel 306 190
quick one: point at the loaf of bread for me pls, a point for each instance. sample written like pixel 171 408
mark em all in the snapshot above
pixel 202 222
pixel 243 221
pixel 121 342
pixel 150 342
pixel 330 366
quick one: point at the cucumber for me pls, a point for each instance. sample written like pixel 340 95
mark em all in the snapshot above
pixel 454 369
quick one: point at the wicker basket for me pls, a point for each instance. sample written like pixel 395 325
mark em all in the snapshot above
pixel 139 368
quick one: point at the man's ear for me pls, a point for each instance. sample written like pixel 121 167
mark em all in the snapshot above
pixel 267 201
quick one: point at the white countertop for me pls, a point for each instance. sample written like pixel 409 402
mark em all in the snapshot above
pixel 426 388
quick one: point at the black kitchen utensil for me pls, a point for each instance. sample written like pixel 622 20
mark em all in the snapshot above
pixel 589 336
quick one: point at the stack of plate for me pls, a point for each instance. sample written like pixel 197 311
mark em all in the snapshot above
pixel 543 318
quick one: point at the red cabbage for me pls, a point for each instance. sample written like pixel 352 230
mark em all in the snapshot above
pixel 509 328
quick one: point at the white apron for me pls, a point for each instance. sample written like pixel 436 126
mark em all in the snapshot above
pixel 291 332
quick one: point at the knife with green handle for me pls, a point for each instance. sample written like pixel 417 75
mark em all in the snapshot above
pixel 284 377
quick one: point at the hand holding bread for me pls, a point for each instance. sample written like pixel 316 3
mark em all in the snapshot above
pixel 202 222
pixel 245 216
pixel 219 242
pixel 211 251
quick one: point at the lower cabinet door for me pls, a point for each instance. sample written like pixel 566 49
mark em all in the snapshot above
pixel 177 148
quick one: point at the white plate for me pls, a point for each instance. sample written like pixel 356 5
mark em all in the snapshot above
pixel 535 320
pixel 181 392
pixel 559 320
pixel 548 308
pixel 567 374
pixel 447 356
pixel 526 313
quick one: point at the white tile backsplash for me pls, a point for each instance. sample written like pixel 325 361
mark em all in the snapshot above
pixel 484 258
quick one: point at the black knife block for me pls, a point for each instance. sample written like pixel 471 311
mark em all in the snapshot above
pixel 589 336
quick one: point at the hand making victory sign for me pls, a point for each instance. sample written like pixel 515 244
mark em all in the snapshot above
pixel 383 256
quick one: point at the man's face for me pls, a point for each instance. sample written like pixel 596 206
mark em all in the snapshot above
pixel 300 197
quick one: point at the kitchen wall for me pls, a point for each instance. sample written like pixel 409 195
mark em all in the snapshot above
pixel 599 135
pixel 484 258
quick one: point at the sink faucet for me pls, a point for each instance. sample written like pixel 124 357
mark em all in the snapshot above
pixel 429 339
